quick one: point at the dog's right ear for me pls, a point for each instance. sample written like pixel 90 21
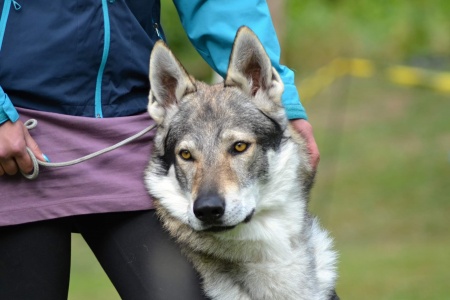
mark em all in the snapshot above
pixel 169 82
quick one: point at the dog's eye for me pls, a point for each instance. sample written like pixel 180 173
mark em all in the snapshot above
pixel 185 154
pixel 240 147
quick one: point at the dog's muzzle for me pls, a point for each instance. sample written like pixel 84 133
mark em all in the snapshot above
pixel 210 210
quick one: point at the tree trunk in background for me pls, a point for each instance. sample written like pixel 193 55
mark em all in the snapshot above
pixel 278 17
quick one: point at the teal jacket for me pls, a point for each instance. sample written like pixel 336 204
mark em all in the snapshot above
pixel 90 57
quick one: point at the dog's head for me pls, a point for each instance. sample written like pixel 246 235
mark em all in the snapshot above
pixel 214 143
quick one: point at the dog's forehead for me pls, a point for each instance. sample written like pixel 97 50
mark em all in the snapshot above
pixel 215 114
pixel 213 105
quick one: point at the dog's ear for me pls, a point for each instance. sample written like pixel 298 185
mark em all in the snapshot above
pixel 250 68
pixel 169 82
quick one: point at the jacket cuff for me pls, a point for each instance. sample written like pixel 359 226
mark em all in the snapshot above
pixel 291 102
pixel 7 110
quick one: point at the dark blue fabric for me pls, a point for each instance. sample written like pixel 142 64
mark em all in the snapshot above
pixel 52 51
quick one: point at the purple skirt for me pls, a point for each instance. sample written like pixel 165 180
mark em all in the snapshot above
pixel 111 182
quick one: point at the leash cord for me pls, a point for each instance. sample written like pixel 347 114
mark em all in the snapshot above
pixel 32 123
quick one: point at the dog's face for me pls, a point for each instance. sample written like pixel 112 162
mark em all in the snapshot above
pixel 214 143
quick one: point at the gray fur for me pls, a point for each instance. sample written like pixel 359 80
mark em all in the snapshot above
pixel 259 242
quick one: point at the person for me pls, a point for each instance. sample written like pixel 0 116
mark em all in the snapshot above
pixel 81 69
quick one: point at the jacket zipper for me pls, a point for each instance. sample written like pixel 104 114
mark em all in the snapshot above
pixel 157 30
pixel 101 70
pixel 4 17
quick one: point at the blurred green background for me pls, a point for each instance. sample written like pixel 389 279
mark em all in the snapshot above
pixel 383 184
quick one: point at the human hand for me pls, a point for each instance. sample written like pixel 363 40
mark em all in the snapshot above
pixel 14 139
pixel 304 128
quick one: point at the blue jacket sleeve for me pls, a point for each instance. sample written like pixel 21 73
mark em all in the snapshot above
pixel 211 26
pixel 7 110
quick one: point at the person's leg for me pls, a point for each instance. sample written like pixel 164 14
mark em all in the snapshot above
pixel 35 261
pixel 140 258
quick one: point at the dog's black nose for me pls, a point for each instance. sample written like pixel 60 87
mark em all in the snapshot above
pixel 209 208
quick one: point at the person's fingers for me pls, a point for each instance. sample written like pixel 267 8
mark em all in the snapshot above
pixel 24 162
pixel 31 143
pixel 12 144
pixel 9 166
pixel 14 140
pixel 304 128
pixel 21 156
pixel 313 152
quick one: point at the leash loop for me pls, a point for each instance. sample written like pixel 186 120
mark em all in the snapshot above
pixel 32 123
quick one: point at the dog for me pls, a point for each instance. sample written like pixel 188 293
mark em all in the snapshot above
pixel 230 179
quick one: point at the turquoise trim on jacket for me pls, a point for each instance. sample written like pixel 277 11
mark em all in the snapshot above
pixel 201 18
pixel 101 70
pixel 7 110
pixel 4 19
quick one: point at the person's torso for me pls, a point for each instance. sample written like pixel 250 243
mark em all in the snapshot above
pixel 83 58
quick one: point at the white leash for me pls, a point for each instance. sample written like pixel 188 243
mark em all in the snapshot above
pixel 32 123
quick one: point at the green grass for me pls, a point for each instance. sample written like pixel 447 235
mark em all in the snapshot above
pixel 382 187
pixel 87 280
pixel 383 183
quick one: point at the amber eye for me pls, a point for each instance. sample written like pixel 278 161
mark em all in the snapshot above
pixel 185 154
pixel 240 146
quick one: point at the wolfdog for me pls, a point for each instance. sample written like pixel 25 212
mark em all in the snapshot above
pixel 230 179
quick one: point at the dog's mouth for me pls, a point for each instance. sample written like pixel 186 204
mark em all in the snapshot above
pixel 218 228
pixel 249 216
pixel 222 228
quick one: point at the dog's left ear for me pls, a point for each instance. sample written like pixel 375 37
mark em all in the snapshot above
pixel 169 82
pixel 250 68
